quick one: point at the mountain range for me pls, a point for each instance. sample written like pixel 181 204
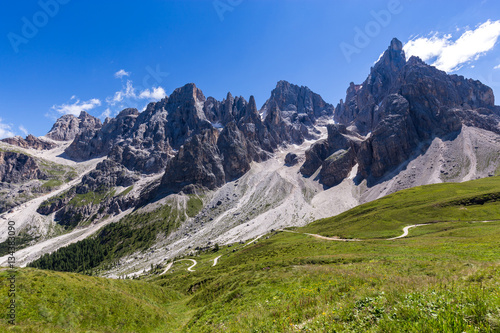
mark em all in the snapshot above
pixel 190 171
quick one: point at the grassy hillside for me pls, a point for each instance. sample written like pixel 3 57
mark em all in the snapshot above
pixel 384 218
pixel 66 302
pixel 443 277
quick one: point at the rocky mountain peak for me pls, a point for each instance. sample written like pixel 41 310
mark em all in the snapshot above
pixel 187 92
pixel 298 102
pixel 128 112
pixel 251 109
pixel 67 127
pixel 404 104
pixel 393 58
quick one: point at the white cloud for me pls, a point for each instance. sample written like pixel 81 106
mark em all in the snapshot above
pixel 128 91
pixel 5 130
pixel 121 73
pixel 449 55
pixel 127 96
pixel 105 114
pixel 155 93
pixel 497 67
pixel 23 129
pixel 77 107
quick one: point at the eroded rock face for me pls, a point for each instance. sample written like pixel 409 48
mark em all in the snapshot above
pixel 336 155
pixel 292 111
pixel 95 142
pixel 400 106
pixel 235 151
pixel 198 162
pixel 68 126
pixel 337 166
pixel 71 209
pixel 18 168
pixel 360 109
pixel 30 142
pixel 107 174
pixel 392 141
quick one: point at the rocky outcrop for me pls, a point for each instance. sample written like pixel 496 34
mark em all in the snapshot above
pixel 235 150
pixel 336 156
pixel 315 156
pixel 291 159
pixel 31 142
pixel 392 141
pixel 93 197
pixel 56 203
pixel 221 113
pixel 68 126
pixel 107 174
pixel 197 163
pixel 18 168
pixel 147 141
pixel 337 166
pixel 95 142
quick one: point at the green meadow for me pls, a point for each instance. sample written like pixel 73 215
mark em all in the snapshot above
pixel 442 277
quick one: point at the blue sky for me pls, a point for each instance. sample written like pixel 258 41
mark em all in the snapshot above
pixel 61 56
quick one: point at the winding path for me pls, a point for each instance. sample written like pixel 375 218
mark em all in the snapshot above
pixel 405 230
pixel 253 240
pixel 335 238
pixel 215 260
pixel 167 268
pixel 190 268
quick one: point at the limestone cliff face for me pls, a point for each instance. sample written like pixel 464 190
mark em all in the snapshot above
pixel 68 126
pixel 336 155
pixel 18 168
pixel 197 163
pixel 401 106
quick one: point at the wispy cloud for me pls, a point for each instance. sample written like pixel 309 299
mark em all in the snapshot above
pixel 497 67
pixel 106 113
pixel 450 55
pixel 121 73
pixel 76 107
pixel 128 91
pixel 5 130
pixel 23 129
pixel 128 96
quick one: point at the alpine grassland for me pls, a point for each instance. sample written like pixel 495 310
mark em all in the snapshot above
pixel 442 277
